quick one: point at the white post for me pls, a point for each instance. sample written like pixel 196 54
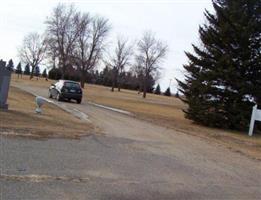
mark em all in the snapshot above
pixel 252 122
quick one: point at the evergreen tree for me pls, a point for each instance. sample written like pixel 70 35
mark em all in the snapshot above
pixel 19 69
pixel 107 76
pixel 37 71
pixel 2 63
pixel 27 70
pixel 44 73
pixel 157 90
pixel 167 92
pixel 10 65
pixel 223 78
pixel 55 74
pixel 177 94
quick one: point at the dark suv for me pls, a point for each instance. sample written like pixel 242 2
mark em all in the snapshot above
pixel 64 89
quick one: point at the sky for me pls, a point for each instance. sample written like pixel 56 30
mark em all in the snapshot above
pixel 175 22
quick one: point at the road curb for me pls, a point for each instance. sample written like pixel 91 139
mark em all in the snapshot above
pixel 111 109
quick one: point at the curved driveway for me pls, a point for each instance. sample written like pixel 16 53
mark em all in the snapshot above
pixel 132 159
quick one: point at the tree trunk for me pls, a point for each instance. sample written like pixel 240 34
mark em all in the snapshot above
pixel 32 73
pixel 119 82
pixel 63 65
pixel 144 93
pixel 119 85
pixel 113 85
pixel 83 79
pixel 144 87
pixel 114 79
pixel 63 72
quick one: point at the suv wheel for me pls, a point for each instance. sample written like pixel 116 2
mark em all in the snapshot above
pixel 79 101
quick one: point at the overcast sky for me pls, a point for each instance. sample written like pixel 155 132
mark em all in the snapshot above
pixel 173 21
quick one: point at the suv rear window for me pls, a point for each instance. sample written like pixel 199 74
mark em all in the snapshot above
pixel 71 85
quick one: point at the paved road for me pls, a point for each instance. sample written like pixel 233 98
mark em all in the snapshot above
pixel 132 160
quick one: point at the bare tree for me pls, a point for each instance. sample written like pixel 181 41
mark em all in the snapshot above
pixel 138 71
pixel 33 50
pixel 52 53
pixel 151 53
pixel 119 60
pixel 90 43
pixel 63 30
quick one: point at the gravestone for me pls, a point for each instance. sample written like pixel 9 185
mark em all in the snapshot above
pixel 5 77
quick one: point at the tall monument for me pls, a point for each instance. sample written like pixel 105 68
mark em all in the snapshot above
pixel 5 77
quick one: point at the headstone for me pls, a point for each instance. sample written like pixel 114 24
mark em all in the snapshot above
pixel 256 116
pixel 5 77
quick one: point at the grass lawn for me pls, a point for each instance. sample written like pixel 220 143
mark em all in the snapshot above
pixel 21 120
pixel 162 110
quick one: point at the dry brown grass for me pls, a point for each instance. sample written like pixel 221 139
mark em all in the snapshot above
pixel 42 83
pixel 165 111
pixel 21 120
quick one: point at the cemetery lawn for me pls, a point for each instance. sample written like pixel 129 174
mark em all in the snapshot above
pixel 21 120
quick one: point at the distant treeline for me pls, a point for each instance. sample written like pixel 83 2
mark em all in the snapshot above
pixel 126 80
pixel 19 70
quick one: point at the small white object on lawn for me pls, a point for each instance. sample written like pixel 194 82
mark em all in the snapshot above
pixel 39 102
pixel 256 116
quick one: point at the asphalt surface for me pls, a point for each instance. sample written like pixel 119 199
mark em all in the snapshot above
pixel 131 160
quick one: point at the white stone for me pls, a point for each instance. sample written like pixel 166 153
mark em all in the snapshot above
pixel 39 103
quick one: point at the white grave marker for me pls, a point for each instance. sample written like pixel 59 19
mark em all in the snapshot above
pixel 256 116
